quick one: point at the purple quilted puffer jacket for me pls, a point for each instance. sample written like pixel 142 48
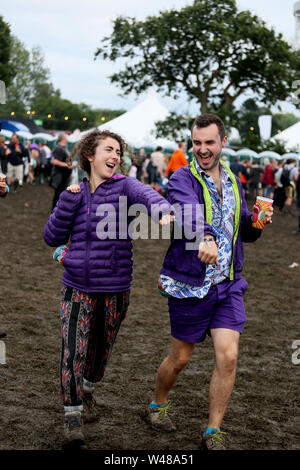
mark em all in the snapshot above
pixel 93 264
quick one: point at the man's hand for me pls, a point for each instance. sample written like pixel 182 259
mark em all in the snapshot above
pixel 268 214
pixel 3 188
pixel 208 251
pixel 74 188
pixel 166 219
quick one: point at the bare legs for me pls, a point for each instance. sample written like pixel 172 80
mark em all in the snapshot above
pixel 226 352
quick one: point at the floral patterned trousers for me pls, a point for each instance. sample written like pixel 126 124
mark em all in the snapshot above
pixel 89 327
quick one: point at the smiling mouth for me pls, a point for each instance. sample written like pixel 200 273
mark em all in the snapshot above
pixel 205 158
pixel 110 165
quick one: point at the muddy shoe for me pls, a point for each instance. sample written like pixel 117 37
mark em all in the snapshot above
pixel 213 441
pixel 73 432
pixel 159 418
pixel 90 408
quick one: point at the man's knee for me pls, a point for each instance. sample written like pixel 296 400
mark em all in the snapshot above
pixel 226 360
pixel 180 355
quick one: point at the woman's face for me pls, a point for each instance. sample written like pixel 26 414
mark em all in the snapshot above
pixel 106 160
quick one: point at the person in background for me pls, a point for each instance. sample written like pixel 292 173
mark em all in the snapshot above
pixel 297 232
pixel 43 163
pixel 145 176
pixel 244 176
pixel 139 163
pixel 268 178
pixel 3 159
pixel 26 162
pixel 61 168
pixel 15 153
pixel 158 162
pixel 279 191
pixel 289 177
pixel 236 167
pixel 177 160
pixel 254 183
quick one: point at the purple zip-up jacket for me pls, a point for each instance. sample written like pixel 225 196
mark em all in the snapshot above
pixel 184 265
pixel 93 264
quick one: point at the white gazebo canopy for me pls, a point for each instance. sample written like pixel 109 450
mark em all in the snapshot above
pixel 137 125
pixel 290 137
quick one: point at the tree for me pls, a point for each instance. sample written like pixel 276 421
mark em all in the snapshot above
pixel 210 50
pixel 31 75
pixel 6 46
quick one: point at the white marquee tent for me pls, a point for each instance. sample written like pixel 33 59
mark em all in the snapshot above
pixel 136 125
pixel 290 136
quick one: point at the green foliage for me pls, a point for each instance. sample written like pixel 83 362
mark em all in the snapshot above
pixel 32 90
pixel 209 50
pixel 6 47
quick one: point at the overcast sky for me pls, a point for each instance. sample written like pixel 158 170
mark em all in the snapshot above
pixel 69 31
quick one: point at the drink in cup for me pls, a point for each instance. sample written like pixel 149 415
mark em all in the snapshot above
pixel 259 217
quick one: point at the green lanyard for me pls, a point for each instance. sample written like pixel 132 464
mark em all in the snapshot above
pixel 208 204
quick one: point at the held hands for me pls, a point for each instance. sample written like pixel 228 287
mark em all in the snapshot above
pixel 166 219
pixel 208 251
pixel 74 188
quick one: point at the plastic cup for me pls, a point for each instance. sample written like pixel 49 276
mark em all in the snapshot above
pixel 2 178
pixel 259 217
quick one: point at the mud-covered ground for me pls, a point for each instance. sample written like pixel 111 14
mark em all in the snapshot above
pixel 264 409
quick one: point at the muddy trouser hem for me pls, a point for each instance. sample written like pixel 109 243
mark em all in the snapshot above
pixel 89 326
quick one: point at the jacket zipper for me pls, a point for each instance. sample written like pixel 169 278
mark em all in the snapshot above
pixel 88 239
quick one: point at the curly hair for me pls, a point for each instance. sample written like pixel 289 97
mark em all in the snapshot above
pixel 86 148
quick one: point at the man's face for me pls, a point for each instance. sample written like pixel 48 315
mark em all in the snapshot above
pixel 207 146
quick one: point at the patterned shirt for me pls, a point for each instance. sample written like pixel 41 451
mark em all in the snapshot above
pixel 223 226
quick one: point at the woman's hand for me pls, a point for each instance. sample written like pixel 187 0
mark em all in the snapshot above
pixel 74 188
pixel 166 219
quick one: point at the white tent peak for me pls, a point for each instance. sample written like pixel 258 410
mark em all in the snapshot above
pixel 290 136
pixel 136 126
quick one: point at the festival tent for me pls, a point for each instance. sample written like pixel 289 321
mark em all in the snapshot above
pixel 270 154
pixel 137 125
pixel 290 137
pixel 13 126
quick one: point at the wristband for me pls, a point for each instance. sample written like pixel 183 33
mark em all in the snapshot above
pixel 210 239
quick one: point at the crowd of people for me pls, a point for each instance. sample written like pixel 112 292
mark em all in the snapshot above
pixel 35 163
pixel 278 180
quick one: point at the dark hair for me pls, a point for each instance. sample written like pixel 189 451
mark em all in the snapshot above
pixel 87 147
pixel 206 120
pixel 159 148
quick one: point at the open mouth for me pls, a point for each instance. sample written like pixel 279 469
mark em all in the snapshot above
pixel 206 158
pixel 110 165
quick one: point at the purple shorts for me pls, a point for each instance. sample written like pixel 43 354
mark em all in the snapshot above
pixel 192 319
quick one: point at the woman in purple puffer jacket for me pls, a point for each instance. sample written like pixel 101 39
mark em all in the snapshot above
pixel 98 269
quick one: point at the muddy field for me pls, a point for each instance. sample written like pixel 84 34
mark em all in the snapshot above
pixel 264 409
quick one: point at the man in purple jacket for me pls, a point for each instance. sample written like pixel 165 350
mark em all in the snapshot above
pixel 203 283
